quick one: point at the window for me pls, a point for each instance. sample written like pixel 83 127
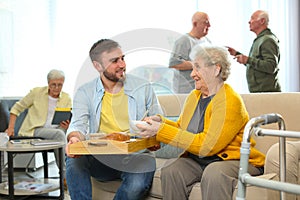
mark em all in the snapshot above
pixel 40 35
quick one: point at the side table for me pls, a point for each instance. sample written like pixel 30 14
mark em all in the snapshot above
pixel 12 149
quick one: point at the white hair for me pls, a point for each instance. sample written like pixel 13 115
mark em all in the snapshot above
pixel 213 55
pixel 264 15
pixel 55 74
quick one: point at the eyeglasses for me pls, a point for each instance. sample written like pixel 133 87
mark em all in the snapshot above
pixel 53 85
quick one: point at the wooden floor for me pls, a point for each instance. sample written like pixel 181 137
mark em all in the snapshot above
pixel 20 173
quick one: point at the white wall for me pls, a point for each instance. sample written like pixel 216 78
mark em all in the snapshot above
pixel 40 35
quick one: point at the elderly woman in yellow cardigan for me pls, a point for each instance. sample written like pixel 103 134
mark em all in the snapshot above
pixel 209 129
pixel 41 103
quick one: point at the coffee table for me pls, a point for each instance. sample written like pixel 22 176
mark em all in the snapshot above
pixel 26 147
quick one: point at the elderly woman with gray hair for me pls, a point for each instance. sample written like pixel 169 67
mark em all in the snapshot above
pixel 209 129
pixel 41 103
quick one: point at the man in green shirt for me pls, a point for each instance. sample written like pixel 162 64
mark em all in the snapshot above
pixel 262 62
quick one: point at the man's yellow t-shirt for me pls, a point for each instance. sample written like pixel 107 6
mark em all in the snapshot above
pixel 114 113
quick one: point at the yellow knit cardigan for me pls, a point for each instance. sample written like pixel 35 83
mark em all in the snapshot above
pixel 36 101
pixel 224 122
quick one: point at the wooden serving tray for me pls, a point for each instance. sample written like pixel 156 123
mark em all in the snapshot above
pixel 112 146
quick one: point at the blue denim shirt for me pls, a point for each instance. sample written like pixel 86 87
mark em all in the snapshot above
pixel 87 103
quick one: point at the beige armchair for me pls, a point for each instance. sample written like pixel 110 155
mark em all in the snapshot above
pixel 292 166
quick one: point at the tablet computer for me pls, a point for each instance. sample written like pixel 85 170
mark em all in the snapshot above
pixel 61 115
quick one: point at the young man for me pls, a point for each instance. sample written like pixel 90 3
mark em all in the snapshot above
pixel 106 105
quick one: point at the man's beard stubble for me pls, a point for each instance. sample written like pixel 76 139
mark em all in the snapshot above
pixel 112 77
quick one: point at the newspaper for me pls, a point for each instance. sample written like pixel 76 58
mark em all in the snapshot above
pixel 32 186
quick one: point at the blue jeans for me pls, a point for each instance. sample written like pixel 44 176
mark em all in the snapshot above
pixel 136 173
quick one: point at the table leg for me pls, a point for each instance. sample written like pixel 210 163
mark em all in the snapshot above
pixel 10 175
pixel 61 175
pixel 45 159
pixel 1 164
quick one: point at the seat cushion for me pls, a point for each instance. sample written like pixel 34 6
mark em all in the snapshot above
pixel 110 187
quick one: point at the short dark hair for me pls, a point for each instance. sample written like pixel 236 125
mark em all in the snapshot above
pixel 103 45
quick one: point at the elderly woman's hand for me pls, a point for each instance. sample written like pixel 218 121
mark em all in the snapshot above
pixel 154 118
pixel 65 124
pixel 149 130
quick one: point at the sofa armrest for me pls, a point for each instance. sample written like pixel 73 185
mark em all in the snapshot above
pixel 5 106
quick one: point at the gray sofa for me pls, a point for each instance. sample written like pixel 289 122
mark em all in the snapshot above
pixel 286 104
pixel 5 105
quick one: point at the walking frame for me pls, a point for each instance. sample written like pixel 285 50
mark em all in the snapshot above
pixel 244 178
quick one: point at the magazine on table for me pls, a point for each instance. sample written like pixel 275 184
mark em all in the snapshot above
pixel 45 142
pixel 23 141
pixel 32 186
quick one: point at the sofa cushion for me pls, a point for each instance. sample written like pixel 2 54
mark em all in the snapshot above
pixel 155 192
pixel 283 103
